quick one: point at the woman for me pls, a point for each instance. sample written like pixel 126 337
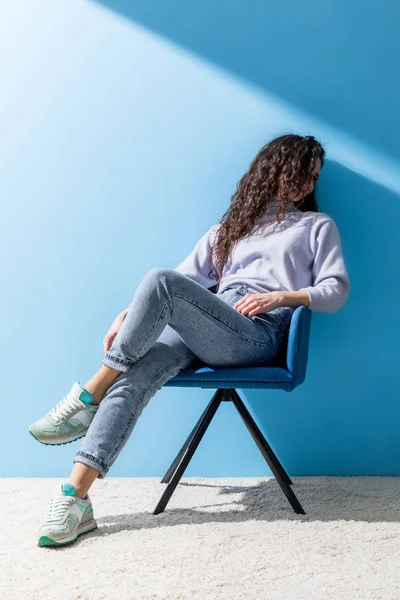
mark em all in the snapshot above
pixel 271 252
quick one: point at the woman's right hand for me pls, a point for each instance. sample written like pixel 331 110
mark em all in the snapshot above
pixel 112 332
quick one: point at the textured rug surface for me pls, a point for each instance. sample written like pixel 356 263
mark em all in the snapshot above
pixel 219 538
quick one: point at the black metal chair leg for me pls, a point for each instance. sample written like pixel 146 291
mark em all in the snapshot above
pixel 267 453
pixel 263 441
pixel 178 458
pixel 193 444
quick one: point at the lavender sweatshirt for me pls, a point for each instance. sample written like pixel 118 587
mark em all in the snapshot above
pixel 304 252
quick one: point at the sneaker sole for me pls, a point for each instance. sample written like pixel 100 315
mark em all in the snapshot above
pixel 91 525
pixel 57 443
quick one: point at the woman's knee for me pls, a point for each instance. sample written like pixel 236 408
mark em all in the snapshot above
pixel 159 275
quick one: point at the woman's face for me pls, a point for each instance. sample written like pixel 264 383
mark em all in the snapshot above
pixel 309 188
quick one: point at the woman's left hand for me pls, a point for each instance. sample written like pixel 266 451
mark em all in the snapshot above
pixel 252 304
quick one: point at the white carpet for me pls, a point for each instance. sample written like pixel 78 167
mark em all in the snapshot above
pixel 217 539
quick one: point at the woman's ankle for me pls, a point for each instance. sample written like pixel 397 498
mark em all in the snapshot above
pixel 80 492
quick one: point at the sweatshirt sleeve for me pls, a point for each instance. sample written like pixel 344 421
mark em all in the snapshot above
pixel 331 283
pixel 197 265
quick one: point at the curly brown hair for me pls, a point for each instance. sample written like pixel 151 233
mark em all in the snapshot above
pixel 281 169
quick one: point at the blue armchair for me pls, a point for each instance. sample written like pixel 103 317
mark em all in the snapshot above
pixel 285 371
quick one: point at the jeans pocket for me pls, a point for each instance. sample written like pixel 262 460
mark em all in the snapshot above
pixel 242 291
pixel 276 356
pixel 272 360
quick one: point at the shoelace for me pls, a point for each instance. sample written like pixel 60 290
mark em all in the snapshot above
pixel 58 507
pixel 65 408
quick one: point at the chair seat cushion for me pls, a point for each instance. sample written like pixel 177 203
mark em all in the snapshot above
pixel 229 377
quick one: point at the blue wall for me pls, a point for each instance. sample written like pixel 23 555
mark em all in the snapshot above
pixel 120 118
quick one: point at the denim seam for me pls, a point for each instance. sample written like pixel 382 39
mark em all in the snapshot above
pixel 221 321
pixel 283 330
pixel 91 457
pixel 122 361
pixel 155 377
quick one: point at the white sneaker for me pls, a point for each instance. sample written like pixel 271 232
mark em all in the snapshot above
pixel 68 421
pixel 69 517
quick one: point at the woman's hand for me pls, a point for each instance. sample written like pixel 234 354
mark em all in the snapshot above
pixel 112 332
pixel 252 304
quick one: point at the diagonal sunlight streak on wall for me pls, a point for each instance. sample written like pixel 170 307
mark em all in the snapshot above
pixel 340 147
pixel 248 108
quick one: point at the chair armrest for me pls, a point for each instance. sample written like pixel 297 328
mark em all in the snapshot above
pixel 298 343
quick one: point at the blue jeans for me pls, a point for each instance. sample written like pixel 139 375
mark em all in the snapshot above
pixel 172 322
